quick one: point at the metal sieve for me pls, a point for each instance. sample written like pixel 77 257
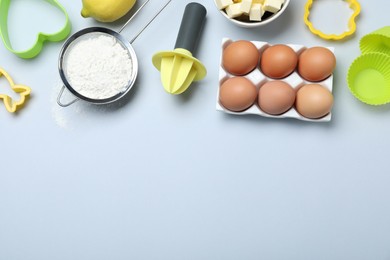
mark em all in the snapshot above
pixel 93 32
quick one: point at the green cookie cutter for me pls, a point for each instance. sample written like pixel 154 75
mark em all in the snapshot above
pixel 41 37
pixel 353 4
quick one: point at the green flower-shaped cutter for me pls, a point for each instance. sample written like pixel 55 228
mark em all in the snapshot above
pixel 41 37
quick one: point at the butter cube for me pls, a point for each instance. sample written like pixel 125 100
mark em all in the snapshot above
pixel 246 6
pixel 272 6
pixel 256 12
pixel 281 1
pixel 260 1
pixel 234 10
pixel 222 4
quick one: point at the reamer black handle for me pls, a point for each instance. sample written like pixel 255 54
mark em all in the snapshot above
pixel 191 27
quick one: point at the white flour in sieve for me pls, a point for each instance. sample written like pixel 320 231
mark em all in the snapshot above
pixel 99 67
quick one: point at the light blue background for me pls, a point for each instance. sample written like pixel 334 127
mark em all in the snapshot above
pixel 167 177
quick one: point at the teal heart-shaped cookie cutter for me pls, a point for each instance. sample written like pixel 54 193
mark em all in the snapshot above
pixel 41 37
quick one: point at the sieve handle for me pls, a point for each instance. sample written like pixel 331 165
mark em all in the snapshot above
pixel 134 15
pixel 154 17
pixel 65 104
pixel 191 27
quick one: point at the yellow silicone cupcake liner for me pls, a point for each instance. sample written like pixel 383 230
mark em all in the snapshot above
pixel 377 41
pixel 369 78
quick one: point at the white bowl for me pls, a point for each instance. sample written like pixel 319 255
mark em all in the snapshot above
pixel 250 24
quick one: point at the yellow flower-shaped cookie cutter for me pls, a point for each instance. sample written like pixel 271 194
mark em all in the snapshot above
pixel 353 4
pixel 11 105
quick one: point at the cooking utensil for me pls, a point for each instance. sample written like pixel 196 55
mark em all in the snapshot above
pixel 369 78
pixel 178 67
pixel 369 75
pixel 41 38
pixel 353 4
pixel 92 32
pixel 377 41
pixel 24 91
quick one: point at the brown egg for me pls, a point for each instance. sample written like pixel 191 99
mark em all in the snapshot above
pixel 278 61
pixel 237 94
pixel 240 57
pixel 314 101
pixel 316 64
pixel 276 97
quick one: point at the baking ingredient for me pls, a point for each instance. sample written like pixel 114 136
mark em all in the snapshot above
pixel 246 6
pixel 314 101
pixel 278 61
pixel 276 97
pixel 254 8
pixel 222 4
pixel 234 10
pixel 256 12
pixel 106 10
pixel 273 100
pixel 240 57
pixel 99 67
pixel 273 6
pixel 237 94
pixel 316 64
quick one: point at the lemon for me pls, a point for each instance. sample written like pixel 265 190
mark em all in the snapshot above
pixel 106 10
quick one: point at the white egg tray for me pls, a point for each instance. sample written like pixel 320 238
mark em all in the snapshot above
pixel 259 79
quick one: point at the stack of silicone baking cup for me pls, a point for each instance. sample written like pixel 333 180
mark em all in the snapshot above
pixel 369 75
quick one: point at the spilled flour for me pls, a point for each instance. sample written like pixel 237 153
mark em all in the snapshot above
pixel 62 116
pixel 80 113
